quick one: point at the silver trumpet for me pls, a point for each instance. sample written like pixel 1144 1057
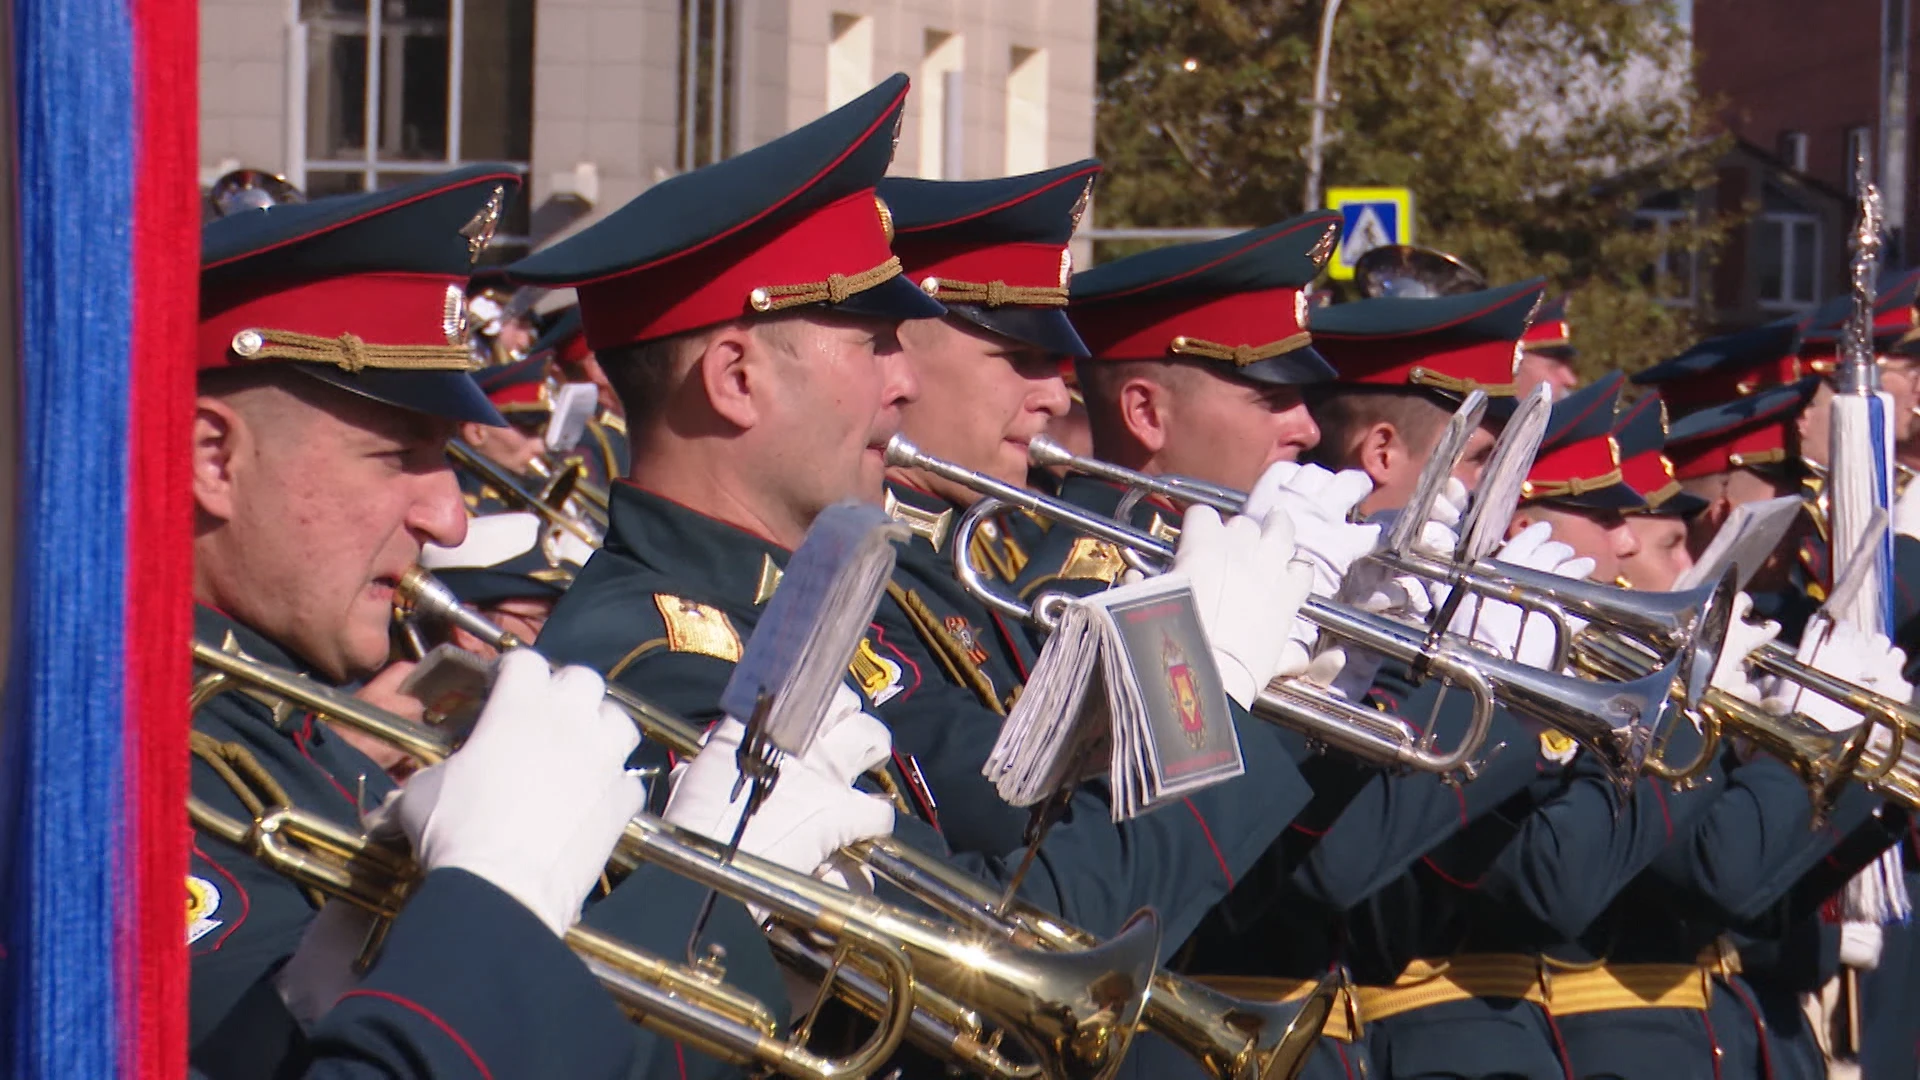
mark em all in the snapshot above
pixel 1693 621
pixel 1612 720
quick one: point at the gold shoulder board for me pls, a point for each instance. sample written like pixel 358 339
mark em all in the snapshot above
pixel 697 628
pixel 1095 560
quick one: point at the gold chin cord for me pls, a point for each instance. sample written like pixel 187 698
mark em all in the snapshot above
pixel 955 991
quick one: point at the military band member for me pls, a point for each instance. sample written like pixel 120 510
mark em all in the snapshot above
pixel 1403 364
pixel 509 568
pixel 1198 367
pixel 1587 511
pixel 606 440
pixel 1674 1001
pixel 1547 352
pixel 753 342
pixel 333 368
pixel 1661 526
pixel 994 252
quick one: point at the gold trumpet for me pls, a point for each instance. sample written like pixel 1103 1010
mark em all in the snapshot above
pixel 1825 760
pixel 1075 1013
pixel 570 481
pixel 514 490
pixel 1233 1039
pixel 1613 720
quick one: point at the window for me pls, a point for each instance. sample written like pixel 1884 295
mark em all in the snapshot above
pixel 1672 275
pixel 1859 145
pixel 942 107
pixel 849 58
pixel 396 89
pixel 705 123
pixel 1026 110
pixel 1787 260
pixel 1793 150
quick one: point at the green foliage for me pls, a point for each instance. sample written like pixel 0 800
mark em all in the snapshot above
pixel 1529 131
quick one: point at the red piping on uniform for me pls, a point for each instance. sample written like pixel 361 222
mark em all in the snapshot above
pixel 1759 1028
pixel 431 1018
pixel 1713 1043
pixel 300 743
pixel 1208 833
pixel 1318 221
pixel 1559 1042
pixel 1427 860
pixel 680 1058
pixel 246 903
pixel 1665 818
pixel 386 209
pixel 1091 170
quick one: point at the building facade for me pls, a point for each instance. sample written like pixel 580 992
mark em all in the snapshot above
pixel 1803 88
pixel 599 99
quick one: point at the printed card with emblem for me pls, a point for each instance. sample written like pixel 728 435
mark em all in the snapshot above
pixel 1125 687
pixel 802 645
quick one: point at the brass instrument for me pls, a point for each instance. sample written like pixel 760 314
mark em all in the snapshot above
pixel 514 490
pixel 1407 270
pixel 1076 1013
pixel 591 498
pixel 1694 620
pixel 1233 1039
pixel 1612 720
pixel 1825 760
pixel 251 189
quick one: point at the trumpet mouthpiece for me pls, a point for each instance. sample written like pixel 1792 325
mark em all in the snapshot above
pixel 1044 452
pixel 902 454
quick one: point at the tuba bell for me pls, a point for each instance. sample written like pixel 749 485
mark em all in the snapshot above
pixel 1406 270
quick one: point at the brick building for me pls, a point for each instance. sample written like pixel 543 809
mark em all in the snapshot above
pixel 1801 87
pixel 599 99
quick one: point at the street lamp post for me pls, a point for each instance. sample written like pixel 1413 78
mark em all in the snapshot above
pixel 1317 137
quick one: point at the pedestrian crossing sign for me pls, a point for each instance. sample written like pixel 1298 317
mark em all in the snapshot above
pixel 1370 217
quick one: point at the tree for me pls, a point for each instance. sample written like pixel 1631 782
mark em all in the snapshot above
pixel 1529 131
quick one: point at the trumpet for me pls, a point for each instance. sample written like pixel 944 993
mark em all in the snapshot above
pixel 1613 720
pixel 1232 1038
pixel 570 481
pixel 1694 620
pixel 1825 760
pixel 1075 1013
pixel 514 490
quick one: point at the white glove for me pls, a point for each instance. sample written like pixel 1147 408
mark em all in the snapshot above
pixel 1375 588
pixel 1730 670
pixel 1869 660
pixel 1247 586
pixel 537 797
pixel 1498 625
pixel 813 810
pixel 321 969
pixel 1906 512
pixel 1860 944
pixel 1318 501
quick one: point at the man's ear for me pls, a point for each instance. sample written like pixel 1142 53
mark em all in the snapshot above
pixel 1378 447
pixel 1143 410
pixel 1520 523
pixel 732 370
pixel 221 441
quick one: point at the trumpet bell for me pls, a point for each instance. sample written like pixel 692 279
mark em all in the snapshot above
pixel 1237 1038
pixel 1078 1011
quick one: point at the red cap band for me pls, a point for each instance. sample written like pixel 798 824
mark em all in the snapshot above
pixel 1156 330
pixel 1574 469
pixel 379 309
pixel 1424 361
pixel 844 239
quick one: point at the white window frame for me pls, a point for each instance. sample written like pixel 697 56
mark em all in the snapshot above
pixel 1785 220
pixel 370 164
